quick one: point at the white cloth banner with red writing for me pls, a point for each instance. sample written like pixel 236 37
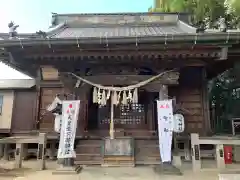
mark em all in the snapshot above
pixel 165 129
pixel 70 111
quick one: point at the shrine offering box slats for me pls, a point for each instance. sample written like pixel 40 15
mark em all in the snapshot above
pixel 118 152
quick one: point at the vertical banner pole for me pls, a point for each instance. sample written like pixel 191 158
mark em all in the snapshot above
pixel 165 132
pixel 68 131
pixel 111 131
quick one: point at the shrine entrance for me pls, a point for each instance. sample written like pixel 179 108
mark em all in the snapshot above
pixel 126 117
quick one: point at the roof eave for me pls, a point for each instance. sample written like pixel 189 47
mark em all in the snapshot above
pixel 168 38
pixel 17 84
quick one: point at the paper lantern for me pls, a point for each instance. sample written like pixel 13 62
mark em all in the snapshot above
pixel 178 123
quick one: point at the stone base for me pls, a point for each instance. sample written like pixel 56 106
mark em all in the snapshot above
pixel 12 172
pixel 167 169
pixel 231 175
pixel 68 170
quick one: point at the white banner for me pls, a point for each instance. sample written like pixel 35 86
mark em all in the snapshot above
pixel 165 129
pixel 70 111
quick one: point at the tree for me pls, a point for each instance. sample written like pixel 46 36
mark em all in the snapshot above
pixel 201 9
pixel 233 6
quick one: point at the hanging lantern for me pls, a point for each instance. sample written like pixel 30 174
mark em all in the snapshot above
pixel 178 123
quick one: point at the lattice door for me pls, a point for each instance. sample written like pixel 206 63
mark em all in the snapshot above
pixel 125 116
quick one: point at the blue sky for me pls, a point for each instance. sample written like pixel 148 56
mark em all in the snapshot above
pixel 34 15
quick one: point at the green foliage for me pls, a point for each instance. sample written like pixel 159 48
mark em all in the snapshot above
pixel 234 6
pixel 201 9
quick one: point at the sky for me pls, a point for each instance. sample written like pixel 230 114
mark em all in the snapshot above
pixel 34 15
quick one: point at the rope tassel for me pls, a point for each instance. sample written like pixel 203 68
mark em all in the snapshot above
pixel 115 98
pixel 135 95
pixel 99 96
pixel 130 97
pixel 95 95
pixel 103 100
pixel 124 98
pixel 108 95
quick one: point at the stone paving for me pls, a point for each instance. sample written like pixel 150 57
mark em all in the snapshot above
pixel 99 173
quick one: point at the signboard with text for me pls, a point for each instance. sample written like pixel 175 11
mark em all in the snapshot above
pixel 70 111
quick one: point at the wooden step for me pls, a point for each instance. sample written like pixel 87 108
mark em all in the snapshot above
pixel 147 152
pixel 88 157
pixel 88 149
pixel 146 142
pixel 79 162
pixel 141 162
pixel 90 142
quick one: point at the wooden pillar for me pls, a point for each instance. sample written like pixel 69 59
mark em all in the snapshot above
pixel 150 117
pixel 150 112
pixel 25 151
pixel 19 155
pixel 6 152
pixel 111 128
pixel 41 150
pixel 163 93
pixel 205 105
pixel 196 158
pixel 38 97
pixel 52 150
pixel 1 150
pixel 168 167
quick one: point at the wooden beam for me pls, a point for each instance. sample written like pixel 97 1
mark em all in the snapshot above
pixel 68 64
pixel 169 78
pixel 126 53
pixel 51 84
pixel 114 47
pixel 49 73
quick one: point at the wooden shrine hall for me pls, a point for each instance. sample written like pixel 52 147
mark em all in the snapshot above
pixel 121 50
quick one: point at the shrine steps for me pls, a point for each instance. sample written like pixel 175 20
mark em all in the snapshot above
pixel 147 152
pixel 88 152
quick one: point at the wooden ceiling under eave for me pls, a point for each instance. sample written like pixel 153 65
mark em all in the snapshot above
pixel 157 55
pixel 120 52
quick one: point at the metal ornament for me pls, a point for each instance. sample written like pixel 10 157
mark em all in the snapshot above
pixel 178 123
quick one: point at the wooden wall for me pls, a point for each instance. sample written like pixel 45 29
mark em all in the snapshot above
pixel 190 100
pixel 192 97
pixel 47 120
pixel 24 111
pixel 190 94
pixel 7 109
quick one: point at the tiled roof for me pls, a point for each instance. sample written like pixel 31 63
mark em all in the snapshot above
pixel 125 31
pixel 120 25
